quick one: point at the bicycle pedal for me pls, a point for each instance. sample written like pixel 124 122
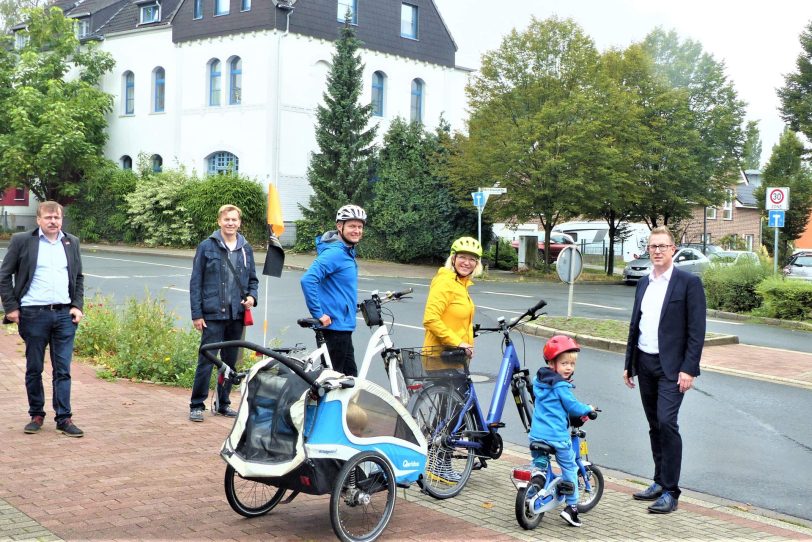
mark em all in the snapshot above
pixel 496 425
pixel 479 464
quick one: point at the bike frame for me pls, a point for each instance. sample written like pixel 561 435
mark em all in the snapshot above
pixel 381 343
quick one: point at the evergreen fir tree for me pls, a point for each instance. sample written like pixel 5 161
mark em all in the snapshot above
pixel 340 171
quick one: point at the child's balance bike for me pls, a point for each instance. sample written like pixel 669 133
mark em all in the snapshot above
pixel 541 491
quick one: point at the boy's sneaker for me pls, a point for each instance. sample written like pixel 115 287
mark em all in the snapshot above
pixel 570 515
pixel 196 415
pixel 228 412
pixel 34 425
pixel 66 427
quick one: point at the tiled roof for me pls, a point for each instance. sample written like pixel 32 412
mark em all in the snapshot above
pixel 744 194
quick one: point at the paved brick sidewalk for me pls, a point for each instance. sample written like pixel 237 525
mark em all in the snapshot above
pixel 143 472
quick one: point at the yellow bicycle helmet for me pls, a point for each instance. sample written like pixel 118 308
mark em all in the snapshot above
pixel 467 244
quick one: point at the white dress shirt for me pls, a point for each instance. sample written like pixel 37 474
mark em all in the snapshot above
pixel 651 308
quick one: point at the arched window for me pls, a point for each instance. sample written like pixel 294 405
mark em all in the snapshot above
pixel 235 80
pixel 126 162
pixel 158 90
pixel 157 163
pixel 223 162
pixel 418 87
pixel 128 82
pixel 378 82
pixel 214 82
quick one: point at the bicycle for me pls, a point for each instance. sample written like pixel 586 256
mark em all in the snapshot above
pixel 380 343
pixel 448 411
pixel 537 495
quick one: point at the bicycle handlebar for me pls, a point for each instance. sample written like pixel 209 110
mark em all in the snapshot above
pixel 531 312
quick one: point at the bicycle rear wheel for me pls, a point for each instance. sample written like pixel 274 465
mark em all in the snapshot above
pixel 448 468
pixel 249 498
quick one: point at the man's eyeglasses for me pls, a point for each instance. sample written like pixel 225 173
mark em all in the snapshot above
pixel 658 248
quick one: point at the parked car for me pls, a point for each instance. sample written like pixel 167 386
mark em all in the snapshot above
pixel 709 249
pixel 733 257
pixel 687 259
pixel 558 242
pixel 799 266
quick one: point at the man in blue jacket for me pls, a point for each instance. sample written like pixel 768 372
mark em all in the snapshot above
pixel 330 286
pixel 223 286
pixel 666 337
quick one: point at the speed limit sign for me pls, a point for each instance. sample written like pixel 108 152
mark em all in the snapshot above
pixel 777 198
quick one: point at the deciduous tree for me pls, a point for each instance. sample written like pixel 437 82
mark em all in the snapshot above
pixel 796 94
pixel 52 111
pixel 751 153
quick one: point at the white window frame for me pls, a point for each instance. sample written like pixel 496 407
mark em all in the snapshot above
pixel 245 5
pixel 727 208
pixel 341 10
pixel 413 30
pixel 710 213
pixel 19 194
pixel 21 39
pixel 146 8
pixel 197 9
pixel 749 238
pixel 82 27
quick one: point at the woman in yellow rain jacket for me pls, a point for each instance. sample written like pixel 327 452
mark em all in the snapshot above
pixel 449 313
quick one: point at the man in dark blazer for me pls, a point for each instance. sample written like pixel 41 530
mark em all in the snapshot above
pixel 42 290
pixel 666 337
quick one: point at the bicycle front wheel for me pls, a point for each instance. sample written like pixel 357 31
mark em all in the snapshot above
pixel 363 498
pixel 249 498
pixel 588 499
pixel 448 468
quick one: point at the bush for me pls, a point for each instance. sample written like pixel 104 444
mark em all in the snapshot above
pixel 100 210
pixel 508 257
pixel 157 212
pixel 733 288
pixel 787 299
pixel 139 342
pixel 203 198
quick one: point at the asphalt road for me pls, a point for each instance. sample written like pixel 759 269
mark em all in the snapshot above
pixel 745 440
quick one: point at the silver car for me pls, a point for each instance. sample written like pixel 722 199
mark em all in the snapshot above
pixel 733 257
pixel 687 259
pixel 799 267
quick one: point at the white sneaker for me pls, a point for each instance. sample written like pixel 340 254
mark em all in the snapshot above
pixel 443 471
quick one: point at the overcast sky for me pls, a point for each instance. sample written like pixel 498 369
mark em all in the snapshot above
pixel 757 41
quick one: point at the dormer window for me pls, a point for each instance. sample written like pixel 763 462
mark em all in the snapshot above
pixel 150 13
pixel 83 27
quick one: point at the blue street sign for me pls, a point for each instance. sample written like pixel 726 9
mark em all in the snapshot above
pixel 479 199
pixel 776 219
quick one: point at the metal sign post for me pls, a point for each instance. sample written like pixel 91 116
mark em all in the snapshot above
pixel 777 204
pixel 569 265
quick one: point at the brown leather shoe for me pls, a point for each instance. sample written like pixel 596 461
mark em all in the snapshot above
pixel 34 425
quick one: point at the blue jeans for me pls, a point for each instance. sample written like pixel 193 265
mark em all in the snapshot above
pixel 215 331
pixel 565 457
pixel 41 327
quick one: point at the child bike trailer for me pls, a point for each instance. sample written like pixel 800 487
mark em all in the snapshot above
pixel 317 433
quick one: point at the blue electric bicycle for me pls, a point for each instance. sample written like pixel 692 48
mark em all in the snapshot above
pixel 448 412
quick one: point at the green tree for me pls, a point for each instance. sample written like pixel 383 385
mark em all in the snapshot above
pixel 751 153
pixel 532 123
pixel 340 170
pixel 786 168
pixel 796 94
pixel 698 101
pixel 99 212
pixel 12 12
pixel 412 210
pixel 52 122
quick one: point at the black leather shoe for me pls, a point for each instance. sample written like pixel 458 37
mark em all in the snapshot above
pixel 664 505
pixel 651 493
pixel 228 412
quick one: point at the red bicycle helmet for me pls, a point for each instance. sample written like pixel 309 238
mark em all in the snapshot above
pixel 558 344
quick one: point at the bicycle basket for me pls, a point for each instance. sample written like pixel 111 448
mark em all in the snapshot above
pixel 433 363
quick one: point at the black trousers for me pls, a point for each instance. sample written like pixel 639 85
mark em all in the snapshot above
pixel 661 402
pixel 342 352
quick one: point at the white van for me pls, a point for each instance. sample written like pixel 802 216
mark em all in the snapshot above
pixel 592 236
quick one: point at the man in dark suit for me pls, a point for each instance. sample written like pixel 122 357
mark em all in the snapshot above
pixel 42 290
pixel 666 336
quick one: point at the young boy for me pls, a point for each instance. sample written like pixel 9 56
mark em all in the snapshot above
pixel 555 404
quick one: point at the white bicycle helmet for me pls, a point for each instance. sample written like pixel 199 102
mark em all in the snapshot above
pixel 351 212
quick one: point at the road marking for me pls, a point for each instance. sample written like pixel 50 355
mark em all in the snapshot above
pixel 511 295
pixel 499 310
pixel 600 306
pixel 105 276
pixel 84 257
pixel 726 322
pixel 420 328
pixel 135 276
pixel 176 289
pixel 416 284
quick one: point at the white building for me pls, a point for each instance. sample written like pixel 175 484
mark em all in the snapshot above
pixel 213 84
